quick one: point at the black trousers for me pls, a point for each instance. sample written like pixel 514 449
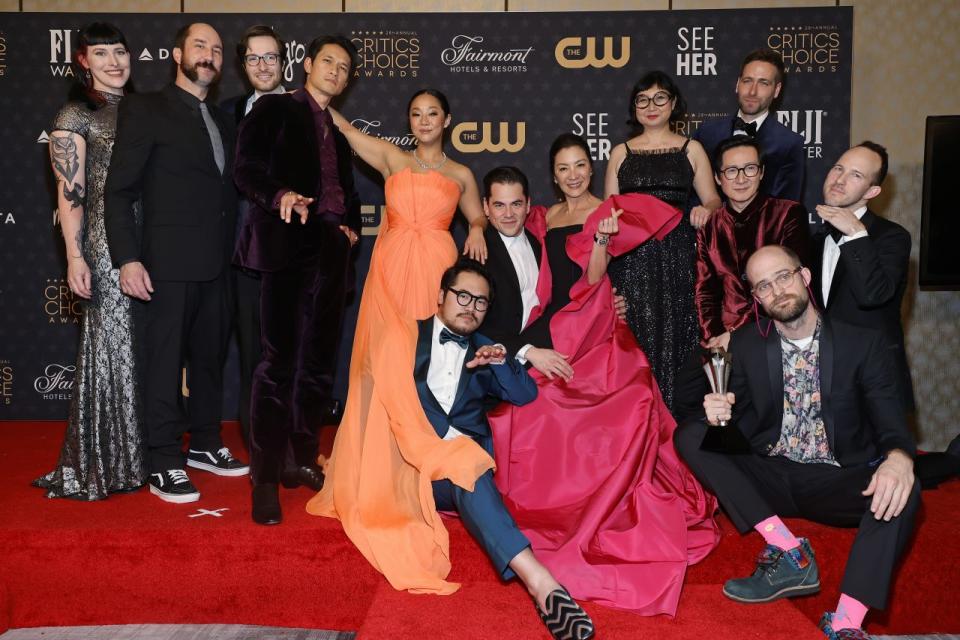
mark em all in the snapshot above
pixel 752 488
pixel 185 326
pixel 301 311
pixel 246 321
pixel 689 387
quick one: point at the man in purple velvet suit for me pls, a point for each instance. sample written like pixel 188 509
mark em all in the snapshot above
pixel 758 87
pixel 295 169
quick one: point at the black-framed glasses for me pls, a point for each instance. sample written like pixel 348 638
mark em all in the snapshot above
pixel 659 99
pixel 751 170
pixel 464 298
pixel 270 59
pixel 784 279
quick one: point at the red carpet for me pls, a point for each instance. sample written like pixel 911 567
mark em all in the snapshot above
pixel 135 559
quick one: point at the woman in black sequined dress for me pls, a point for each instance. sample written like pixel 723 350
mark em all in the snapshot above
pixel 657 278
pixel 103 448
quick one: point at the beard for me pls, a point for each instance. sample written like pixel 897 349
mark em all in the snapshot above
pixel 797 307
pixel 190 71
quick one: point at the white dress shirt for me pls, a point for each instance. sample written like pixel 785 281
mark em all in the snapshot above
pixel 256 96
pixel 525 265
pixel 831 256
pixel 528 273
pixel 759 120
pixel 443 376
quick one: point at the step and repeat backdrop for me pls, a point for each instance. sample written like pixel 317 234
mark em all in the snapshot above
pixel 515 81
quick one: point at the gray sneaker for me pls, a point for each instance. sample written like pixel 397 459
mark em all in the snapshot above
pixel 779 574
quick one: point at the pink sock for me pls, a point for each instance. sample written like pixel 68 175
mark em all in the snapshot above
pixel 776 533
pixel 850 613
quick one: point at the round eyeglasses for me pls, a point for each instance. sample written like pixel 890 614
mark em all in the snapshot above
pixel 464 298
pixel 659 99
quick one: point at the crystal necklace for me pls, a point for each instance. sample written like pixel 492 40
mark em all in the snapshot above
pixel 430 167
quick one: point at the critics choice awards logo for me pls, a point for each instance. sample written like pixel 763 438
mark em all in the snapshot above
pixel 576 52
pixel 474 137
pixel 6 382
pixel 814 49
pixel 56 382
pixel 466 54
pixel 387 54
pixel 59 304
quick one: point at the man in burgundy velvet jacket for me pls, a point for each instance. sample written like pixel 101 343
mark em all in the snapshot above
pixel 747 221
pixel 294 167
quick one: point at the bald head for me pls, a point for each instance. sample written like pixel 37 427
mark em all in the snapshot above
pixel 771 256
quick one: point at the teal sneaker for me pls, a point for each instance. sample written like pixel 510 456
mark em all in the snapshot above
pixel 826 625
pixel 779 574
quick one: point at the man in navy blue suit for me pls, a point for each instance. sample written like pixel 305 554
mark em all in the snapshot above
pixel 455 371
pixel 759 84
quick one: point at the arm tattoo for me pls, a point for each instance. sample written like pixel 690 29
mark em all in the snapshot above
pixel 79 239
pixel 63 152
pixel 75 196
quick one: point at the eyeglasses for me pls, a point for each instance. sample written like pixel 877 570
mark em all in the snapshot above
pixel 269 59
pixel 464 298
pixel 749 170
pixel 784 279
pixel 659 99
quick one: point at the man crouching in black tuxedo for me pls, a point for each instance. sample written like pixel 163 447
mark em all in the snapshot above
pixel 455 371
pixel 818 401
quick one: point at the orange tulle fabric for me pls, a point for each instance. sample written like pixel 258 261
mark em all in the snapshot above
pixel 386 453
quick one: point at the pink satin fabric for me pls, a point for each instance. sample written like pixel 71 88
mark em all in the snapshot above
pixel 589 470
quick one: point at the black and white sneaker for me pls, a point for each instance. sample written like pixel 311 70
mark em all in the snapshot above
pixel 220 462
pixel 173 485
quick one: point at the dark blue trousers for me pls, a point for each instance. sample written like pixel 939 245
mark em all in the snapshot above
pixel 485 517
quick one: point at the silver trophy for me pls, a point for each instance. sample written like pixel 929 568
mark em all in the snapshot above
pixel 724 438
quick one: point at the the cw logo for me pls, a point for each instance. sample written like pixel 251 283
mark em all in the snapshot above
pixel 572 53
pixel 474 137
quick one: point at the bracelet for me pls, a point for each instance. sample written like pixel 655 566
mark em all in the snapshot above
pixel 601 241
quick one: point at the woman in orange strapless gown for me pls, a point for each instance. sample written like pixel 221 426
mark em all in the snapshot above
pixel 386 453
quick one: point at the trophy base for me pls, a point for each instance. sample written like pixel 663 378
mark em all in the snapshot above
pixel 726 439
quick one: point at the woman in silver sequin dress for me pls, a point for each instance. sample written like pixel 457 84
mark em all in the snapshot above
pixel 103 449
pixel 657 278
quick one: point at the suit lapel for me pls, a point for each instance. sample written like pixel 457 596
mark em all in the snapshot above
pixel 422 363
pixel 535 245
pixel 501 257
pixel 466 375
pixel 774 353
pixel 817 267
pixel 826 379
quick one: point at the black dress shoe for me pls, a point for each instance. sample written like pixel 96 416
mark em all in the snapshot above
pixel 266 504
pixel 306 475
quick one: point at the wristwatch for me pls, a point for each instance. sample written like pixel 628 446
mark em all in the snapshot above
pixel 601 240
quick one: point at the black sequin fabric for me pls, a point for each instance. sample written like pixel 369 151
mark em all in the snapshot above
pixel 103 449
pixel 657 278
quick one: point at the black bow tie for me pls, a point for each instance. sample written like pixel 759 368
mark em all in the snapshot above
pixel 749 127
pixel 835 233
pixel 449 336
